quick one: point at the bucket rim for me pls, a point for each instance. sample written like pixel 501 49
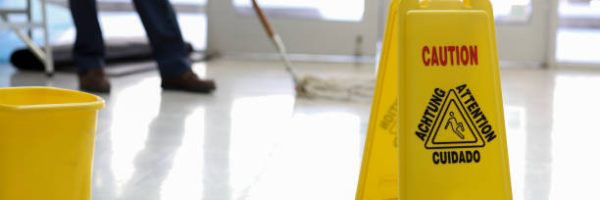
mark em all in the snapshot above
pixel 96 104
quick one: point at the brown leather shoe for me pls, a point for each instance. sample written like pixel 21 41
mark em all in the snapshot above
pixel 190 82
pixel 94 80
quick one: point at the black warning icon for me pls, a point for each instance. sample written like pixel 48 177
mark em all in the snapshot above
pixel 453 127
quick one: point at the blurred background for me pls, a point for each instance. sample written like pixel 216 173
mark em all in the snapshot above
pixel 531 33
pixel 255 139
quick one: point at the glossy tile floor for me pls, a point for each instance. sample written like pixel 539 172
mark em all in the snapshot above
pixel 252 139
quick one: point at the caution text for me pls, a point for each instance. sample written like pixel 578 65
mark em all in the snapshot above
pixel 453 55
pixel 477 115
pixel 456 157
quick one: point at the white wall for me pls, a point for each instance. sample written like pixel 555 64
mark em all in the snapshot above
pixel 231 33
pixel 526 42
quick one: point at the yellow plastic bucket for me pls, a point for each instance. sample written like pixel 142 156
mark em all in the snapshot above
pixel 47 140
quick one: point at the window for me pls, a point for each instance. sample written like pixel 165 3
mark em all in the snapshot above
pixel 334 10
pixel 578 38
pixel 512 10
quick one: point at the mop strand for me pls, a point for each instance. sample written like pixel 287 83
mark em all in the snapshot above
pixel 312 87
pixel 346 89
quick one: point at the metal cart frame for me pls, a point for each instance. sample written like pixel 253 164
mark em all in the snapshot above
pixel 43 53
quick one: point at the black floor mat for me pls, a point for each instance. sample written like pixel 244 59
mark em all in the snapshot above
pixel 123 57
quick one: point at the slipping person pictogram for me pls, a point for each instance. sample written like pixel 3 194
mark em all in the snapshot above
pixel 453 127
pixel 457 127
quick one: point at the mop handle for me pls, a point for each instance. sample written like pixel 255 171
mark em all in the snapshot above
pixel 263 19
pixel 276 40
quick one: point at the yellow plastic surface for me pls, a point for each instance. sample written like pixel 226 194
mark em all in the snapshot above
pixel 379 172
pixel 46 143
pixel 439 80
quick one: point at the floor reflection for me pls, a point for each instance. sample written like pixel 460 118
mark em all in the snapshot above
pixel 575 167
pixel 154 147
pixel 253 139
pixel 538 148
pixel 133 110
pixel 528 107
pixel 258 123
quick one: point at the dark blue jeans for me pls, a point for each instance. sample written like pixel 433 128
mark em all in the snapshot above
pixel 161 26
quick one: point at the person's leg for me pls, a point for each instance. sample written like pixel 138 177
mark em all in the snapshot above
pixel 163 31
pixel 169 50
pixel 88 51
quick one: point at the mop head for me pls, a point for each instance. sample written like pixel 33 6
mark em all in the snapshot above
pixel 345 89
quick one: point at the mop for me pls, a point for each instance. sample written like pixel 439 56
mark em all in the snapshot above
pixel 312 87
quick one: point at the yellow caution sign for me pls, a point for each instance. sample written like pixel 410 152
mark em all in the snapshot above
pixel 379 173
pixel 437 127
